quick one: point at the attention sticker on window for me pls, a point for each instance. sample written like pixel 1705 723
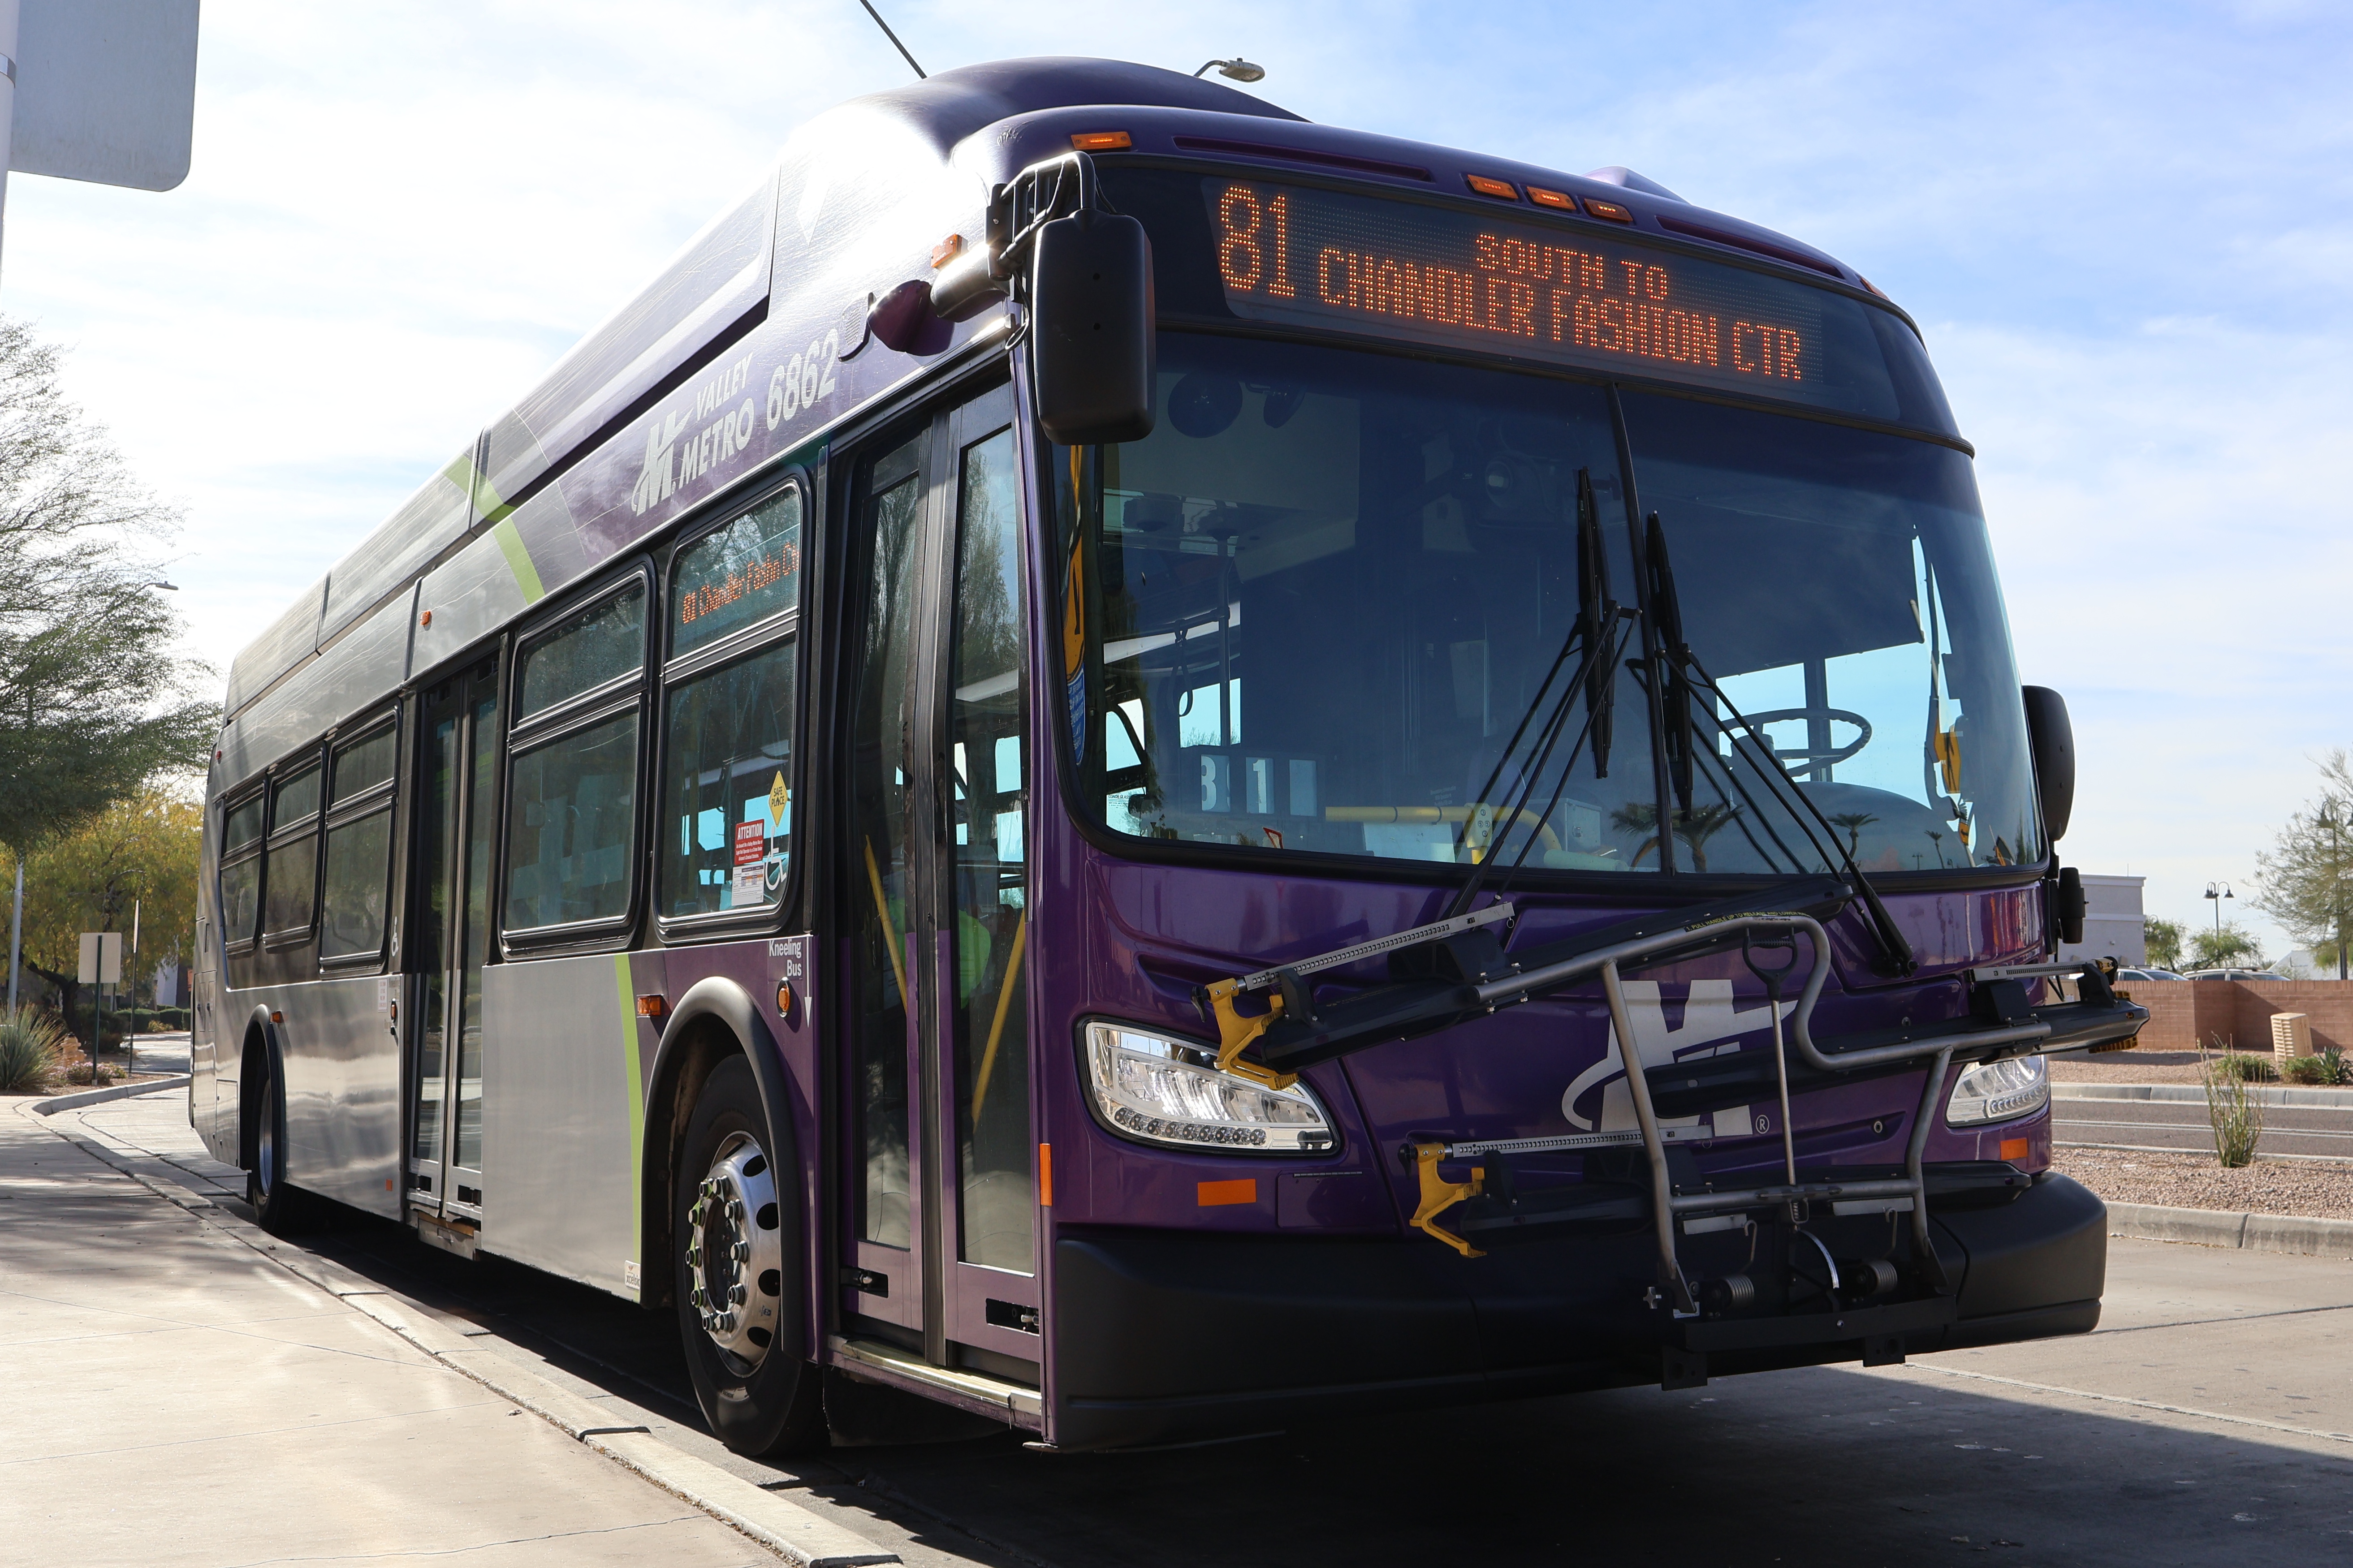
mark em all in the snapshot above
pixel 1403 270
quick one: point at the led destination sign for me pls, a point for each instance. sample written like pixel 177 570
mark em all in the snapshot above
pixel 1287 253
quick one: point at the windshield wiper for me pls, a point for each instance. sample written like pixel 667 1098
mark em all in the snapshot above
pixel 1598 616
pixel 1672 687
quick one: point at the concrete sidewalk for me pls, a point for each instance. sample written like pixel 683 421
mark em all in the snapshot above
pixel 168 1396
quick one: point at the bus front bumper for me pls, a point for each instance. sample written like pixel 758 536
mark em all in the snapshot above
pixel 1165 1337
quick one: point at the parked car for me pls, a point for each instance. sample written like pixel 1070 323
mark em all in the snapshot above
pixel 2232 975
pixel 2146 973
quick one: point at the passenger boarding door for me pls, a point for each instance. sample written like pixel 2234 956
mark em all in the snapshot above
pixel 451 919
pixel 942 1177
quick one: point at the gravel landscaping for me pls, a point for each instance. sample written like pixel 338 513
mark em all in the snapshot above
pixel 2195 1182
pixel 2126 1067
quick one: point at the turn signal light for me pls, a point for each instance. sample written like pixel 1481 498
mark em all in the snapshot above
pixel 651 1006
pixel 2016 1148
pixel 785 998
pixel 1501 190
pixel 1101 140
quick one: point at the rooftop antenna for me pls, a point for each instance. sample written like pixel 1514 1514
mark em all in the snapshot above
pixel 923 76
pixel 1235 70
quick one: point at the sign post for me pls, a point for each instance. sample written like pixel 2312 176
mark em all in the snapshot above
pixel 101 966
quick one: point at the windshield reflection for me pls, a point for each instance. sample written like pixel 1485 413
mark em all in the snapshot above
pixel 1336 603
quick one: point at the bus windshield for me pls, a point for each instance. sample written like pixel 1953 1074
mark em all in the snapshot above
pixel 1357 604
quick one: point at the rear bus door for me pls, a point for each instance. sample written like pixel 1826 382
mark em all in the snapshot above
pixel 450 887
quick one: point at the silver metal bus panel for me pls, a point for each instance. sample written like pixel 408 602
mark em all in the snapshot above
pixel 364 668
pixel 563 1117
pixel 292 638
pixel 341 1062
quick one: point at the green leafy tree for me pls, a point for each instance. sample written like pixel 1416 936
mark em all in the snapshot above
pixel 94 701
pixel 2306 880
pixel 142 851
pixel 2163 939
pixel 2227 947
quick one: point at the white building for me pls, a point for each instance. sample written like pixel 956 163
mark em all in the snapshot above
pixel 2112 922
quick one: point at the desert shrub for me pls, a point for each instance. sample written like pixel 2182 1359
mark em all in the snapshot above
pixel 2329 1068
pixel 2246 1066
pixel 81 1072
pixel 32 1053
pixel 2235 1116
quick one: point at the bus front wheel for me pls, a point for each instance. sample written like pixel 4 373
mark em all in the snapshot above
pixel 737 1274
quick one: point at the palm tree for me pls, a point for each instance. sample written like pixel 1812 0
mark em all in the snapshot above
pixel 1695 827
pixel 1854 822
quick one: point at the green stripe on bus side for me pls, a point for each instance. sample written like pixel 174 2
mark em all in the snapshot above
pixel 526 575
pixel 637 1100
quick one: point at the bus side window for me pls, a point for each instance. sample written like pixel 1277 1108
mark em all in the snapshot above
pixel 727 756
pixel 240 872
pixel 352 895
pixel 291 874
pixel 572 807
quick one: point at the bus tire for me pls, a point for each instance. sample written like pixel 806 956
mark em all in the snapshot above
pixel 282 1209
pixel 736 1274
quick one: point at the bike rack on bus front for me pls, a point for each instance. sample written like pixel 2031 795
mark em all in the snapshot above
pixel 2006 1025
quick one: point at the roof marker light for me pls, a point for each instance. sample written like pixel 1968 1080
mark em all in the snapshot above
pixel 1610 210
pixel 1545 199
pixel 1501 190
pixel 1101 140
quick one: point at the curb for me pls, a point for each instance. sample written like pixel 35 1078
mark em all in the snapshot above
pixel 56 1102
pixel 2293 1234
pixel 801 1537
pixel 2306 1097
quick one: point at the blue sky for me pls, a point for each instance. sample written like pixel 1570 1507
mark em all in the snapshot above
pixel 2121 227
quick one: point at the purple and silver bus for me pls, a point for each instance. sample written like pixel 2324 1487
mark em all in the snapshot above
pixel 1151 770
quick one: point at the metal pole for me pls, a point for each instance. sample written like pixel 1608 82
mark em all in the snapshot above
pixel 15 930
pixel 130 1040
pixel 7 96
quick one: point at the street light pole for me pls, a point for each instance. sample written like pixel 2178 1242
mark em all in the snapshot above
pixel 2218 891
pixel 2330 819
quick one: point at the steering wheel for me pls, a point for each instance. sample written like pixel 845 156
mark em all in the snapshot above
pixel 1793 760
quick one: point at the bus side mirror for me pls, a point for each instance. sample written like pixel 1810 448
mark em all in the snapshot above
pixel 1092 332
pixel 2051 738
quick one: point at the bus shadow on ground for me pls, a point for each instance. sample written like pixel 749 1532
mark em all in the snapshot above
pixel 1822 1466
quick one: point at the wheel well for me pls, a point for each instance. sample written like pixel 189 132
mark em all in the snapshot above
pixel 252 1078
pixel 686 1066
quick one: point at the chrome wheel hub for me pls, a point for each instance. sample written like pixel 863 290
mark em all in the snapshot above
pixel 734 1252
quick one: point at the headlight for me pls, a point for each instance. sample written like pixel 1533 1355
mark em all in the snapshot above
pixel 1999 1092
pixel 1162 1090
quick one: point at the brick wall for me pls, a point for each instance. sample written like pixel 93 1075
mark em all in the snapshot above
pixel 2186 1014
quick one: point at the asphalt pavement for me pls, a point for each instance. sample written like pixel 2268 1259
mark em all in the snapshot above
pixel 2208 1421
pixel 2094 1115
